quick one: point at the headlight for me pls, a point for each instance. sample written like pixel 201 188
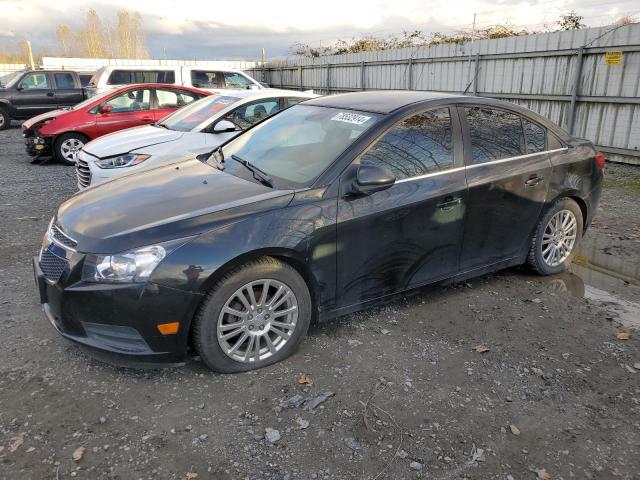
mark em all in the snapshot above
pixel 134 266
pixel 126 160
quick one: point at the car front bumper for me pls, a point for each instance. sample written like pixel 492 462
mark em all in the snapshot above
pixel 37 146
pixel 117 323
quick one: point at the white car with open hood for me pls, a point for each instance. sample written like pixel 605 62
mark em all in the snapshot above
pixel 195 129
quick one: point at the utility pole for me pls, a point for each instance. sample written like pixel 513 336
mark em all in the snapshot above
pixel 30 52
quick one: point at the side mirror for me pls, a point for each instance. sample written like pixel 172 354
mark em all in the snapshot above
pixel 372 178
pixel 105 109
pixel 224 126
pixel 253 87
pixel 20 88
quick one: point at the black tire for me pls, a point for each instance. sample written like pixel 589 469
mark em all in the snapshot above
pixel 535 258
pixel 59 144
pixel 205 326
pixel 5 119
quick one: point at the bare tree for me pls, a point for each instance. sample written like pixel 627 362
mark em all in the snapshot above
pixel 92 36
pixel 570 21
pixel 66 41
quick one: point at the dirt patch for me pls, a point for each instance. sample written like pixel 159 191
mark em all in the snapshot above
pixel 396 392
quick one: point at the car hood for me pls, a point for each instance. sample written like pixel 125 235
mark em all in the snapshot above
pixel 130 139
pixel 44 116
pixel 161 204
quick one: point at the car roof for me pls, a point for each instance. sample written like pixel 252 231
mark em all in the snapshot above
pixel 379 101
pixel 266 93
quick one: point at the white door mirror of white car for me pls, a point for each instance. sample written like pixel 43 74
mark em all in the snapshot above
pixel 224 126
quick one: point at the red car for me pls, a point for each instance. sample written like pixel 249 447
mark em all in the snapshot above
pixel 62 133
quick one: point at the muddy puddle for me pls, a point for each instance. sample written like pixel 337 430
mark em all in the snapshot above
pixel 606 278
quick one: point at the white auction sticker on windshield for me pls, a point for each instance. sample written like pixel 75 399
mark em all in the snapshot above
pixel 350 117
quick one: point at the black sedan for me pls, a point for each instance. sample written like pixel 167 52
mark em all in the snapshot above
pixel 331 206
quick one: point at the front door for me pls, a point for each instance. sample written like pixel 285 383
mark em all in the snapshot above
pixel 508 172
pixel 34 95
pixel 409 234
pixel 127 109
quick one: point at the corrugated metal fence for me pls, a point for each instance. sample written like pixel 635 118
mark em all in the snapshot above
pixel 587 81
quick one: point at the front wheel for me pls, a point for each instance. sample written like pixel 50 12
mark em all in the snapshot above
pixel 254 316
pixel 556 237
pixel 5 119
pixel 67 146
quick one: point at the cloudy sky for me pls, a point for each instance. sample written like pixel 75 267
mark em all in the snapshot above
pixel 213 29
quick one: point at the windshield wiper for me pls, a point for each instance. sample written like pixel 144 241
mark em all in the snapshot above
pixel 257 173
pixel 161 125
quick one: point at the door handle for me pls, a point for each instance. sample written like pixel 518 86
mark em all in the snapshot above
pixel 448 203
pixel 50 94
pixel 533 181
pixel 147 119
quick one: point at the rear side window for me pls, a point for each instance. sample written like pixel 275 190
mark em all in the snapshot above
pixel 535 134
pixel 126 77
pixel 495 134
pixel 64 81
pixel 170 98
pixel 418 145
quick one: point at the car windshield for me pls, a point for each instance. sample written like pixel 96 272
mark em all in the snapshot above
pixel 11 79
pixel 297 145
pixel 189 117
pixel 91 100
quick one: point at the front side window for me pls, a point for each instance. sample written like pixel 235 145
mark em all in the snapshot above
pixel 207 79
pixel 189 117
pixel 35 81
pixel 131 101
pixel 250 114
pixel 64 81
pixel 169 98
pixel 495 134
pixel 298 144
pixel 418 145
pixel 235 80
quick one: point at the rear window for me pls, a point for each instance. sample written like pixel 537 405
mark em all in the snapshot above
pixel 127 77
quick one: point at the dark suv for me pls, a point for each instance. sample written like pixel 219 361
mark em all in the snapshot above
pixel 33 92
pixel 328 207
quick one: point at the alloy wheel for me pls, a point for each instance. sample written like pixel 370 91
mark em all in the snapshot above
pixel 559 238
pixel 70 148
pixel 257 320
pixel 1 121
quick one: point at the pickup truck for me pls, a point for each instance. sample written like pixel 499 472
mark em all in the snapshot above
pixel 33 92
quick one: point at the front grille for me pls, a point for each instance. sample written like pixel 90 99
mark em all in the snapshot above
pixel 60 237
pixel 83 172
pixel 51 265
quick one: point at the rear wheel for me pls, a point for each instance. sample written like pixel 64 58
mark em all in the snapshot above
pixel 67 146
pixel 557 235
pixel 5 119
pixel 255 316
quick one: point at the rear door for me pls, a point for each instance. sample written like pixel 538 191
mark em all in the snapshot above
pixel 34 95
pixel 508 172
pixel 168 100
pixel 67 91
pixel 128 109
pixel 410 234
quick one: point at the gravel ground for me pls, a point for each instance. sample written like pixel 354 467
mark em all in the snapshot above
pixel 401 392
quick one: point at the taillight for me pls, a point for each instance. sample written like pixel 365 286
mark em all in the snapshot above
pixel 599 161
